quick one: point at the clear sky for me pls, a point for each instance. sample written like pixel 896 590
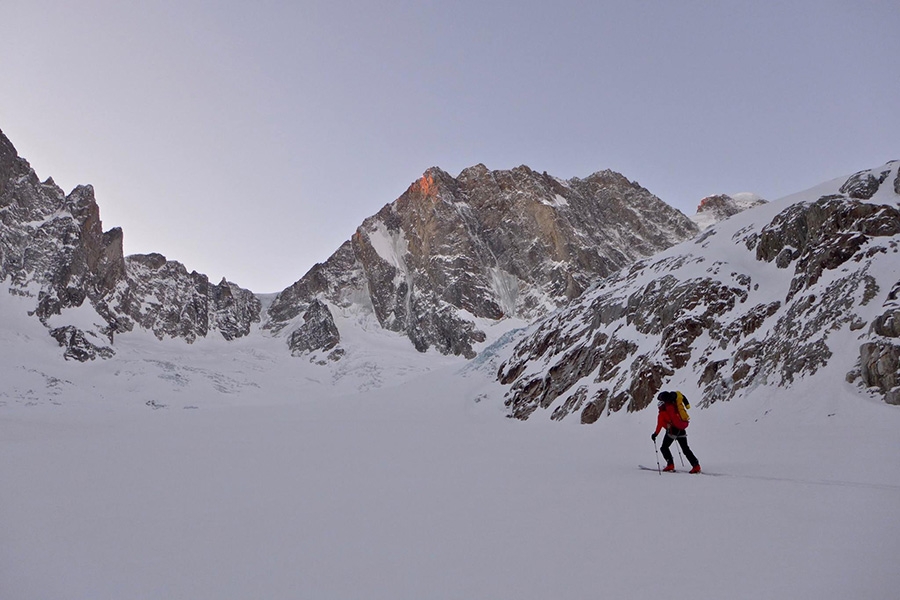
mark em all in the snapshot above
pixel 250 139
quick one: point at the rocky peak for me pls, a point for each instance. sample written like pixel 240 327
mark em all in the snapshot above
pixel 608 177
pixel 428 185
pixel 53 247
pixel 719 207
pixel 52 241
pixel 719 203
pixel 483 245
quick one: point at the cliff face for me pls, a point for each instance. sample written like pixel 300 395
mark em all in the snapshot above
pixel 766 297
pixel 485 245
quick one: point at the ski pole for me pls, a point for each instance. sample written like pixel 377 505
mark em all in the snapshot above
pixel 679 454
pixel 658 468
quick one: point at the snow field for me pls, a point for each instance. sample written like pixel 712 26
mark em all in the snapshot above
pixel 419 492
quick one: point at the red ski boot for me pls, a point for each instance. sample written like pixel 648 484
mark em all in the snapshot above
pixel 696 469
pixel 669 467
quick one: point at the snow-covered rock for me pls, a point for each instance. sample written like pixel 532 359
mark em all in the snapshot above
pixel 766 297
pixel 160 295
pixel 719 207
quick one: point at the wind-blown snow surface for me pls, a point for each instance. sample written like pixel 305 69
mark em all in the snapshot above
pixel 276 491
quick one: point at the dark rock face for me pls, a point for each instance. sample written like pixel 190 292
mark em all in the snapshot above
pixel 318 331
pixel 880 357
pixel 880 368
pixel 721 205
pixel 163 297
pixel 53 247
pixel 864 184
pixel 690 315
pixel 484 245
pixel 232 310
pixel 823 236
pixel 55 241
pixel 582 343
pixel 77 345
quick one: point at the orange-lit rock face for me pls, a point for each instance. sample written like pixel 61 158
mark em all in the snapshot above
pixel 427 185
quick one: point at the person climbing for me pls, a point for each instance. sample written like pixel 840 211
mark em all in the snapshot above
pixel 674 419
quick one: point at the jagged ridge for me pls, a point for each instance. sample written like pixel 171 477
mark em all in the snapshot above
pixel 53 248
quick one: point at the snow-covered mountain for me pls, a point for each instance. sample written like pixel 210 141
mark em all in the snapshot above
pixel 766 296
pixel 786 291
pixel 452 256
pixel 442 265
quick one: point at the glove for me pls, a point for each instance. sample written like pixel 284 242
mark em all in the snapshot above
pixel 653 436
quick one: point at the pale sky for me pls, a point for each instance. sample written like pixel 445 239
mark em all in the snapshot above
pixel 250 139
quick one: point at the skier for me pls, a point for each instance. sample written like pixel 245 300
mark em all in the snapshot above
pixel 672 421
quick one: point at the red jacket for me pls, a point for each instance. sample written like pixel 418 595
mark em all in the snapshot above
pixel 668 415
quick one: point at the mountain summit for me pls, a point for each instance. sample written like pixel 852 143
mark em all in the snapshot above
pixel 719 207
pixel 454 253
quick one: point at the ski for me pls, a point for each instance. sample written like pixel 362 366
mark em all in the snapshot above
pixel 655 470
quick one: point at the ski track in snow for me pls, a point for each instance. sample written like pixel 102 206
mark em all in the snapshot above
pixel 856 484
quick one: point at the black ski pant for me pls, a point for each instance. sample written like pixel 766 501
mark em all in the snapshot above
pixel 681 435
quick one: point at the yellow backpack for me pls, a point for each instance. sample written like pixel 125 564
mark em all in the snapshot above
pixel 682 404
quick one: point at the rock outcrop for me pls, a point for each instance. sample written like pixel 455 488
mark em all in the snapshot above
pixel 880 356
pixel 318 331
pixel 864 184
pixel 163 297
